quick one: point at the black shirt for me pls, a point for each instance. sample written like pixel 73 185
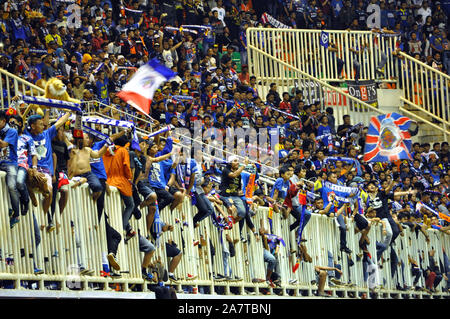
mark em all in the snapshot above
pixel 62 155
pixel 380 204
pixel 230 186
pixel 341 127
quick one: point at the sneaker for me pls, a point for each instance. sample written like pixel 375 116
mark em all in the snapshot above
pixel 229 278
pixel 336 281
pixel 38 271
pixel 51 227
pixel 147 276
pixel 173 278
pixel 257 280
pixel 219 277
pixel 277 282
pixel 236 278
pixel 137 213
pixel 115 274
pixel 346 250
pixel 86 272
pixel 292 281
pixel 13 222
pixel 113 262
pixel 191 277
pixel 130 234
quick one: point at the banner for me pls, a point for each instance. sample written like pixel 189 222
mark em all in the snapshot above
pixel 324 39
pixel 366 91
pixel 267 18
pixel 310 91
pixel 388 138
pixel 139 91
pixel 342 193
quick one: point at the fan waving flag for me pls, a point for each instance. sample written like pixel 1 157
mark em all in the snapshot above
pixel 139 91
pixel 388 138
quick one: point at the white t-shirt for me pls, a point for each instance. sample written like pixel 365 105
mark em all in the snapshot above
pixel 221 14
pixel 424 13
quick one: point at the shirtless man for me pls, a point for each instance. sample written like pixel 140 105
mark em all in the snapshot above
pixel 79 163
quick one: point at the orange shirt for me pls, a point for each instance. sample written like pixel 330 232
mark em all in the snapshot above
pixel 118 170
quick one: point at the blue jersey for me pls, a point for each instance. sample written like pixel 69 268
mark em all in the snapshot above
pixel 8 154
pixel 43 145
pixel 159 173
pixel 282 186
pixel 97 166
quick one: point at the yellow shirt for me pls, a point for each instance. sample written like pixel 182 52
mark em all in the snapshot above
pixel 56 38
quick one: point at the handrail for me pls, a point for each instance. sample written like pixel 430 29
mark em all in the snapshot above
pixel 81 241
pixel 325 84
pixel 17 78
pixel 426 66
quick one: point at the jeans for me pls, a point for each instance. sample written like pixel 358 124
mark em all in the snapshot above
pixel 381 247
pixel 333 273
pixel 22 188
pixel 101 198
pixel 342 231
pixel 383 61
pixel 357 67
pixel 244 57
pixel 340 66
pixel 126 215
pixel 11 183
pixel 270 260
pixel 226 263
pixel 204 208
pixel 300 219
pixel 239 204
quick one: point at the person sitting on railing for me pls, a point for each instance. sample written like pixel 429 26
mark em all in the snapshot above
pixel 271 247
pixel 8 163
pixel 332 178
pixel 279 191
pixel 43 144
pixel 231 190
pixel 118 171
pixel 161 172
pixel 296 202
pixel 113 237
pixel 61 156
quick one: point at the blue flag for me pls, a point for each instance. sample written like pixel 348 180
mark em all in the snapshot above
pixel 324 39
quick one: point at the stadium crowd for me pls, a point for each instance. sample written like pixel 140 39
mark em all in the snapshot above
pixel 98 56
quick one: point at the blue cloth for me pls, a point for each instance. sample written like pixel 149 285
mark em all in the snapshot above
pixel 43 145
pixel 282 186
pixel 8 155
pixel 159 173
pixel 97 166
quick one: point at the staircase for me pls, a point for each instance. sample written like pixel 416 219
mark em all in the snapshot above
pixel 293 58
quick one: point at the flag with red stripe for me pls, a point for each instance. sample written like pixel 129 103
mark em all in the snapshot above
pixel 388 138
pixel 139 91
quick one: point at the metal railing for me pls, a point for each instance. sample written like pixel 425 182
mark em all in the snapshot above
pixel 302 50
pixel 79 243
pixel 11 85
pixel 426 91
pixel 269 68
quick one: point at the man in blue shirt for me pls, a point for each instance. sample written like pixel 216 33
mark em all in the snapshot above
pixel 160 172
pixel 43 143
pixel 8 160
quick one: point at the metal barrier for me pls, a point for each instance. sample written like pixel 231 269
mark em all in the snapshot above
pixel 78 246
pixel 302 50
pixel 11 85
pixel 426 90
